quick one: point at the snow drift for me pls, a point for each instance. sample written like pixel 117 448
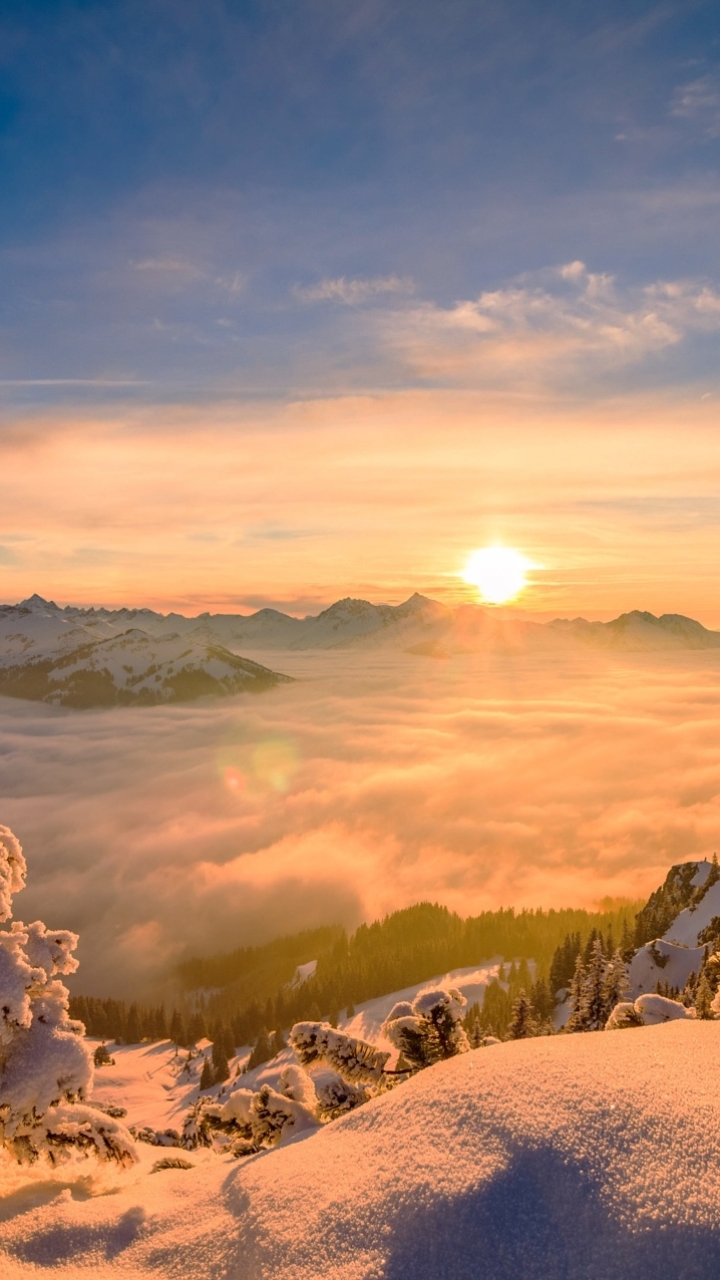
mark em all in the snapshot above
pixel 590 1156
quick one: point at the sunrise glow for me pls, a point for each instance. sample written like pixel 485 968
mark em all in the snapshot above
pixel 499 573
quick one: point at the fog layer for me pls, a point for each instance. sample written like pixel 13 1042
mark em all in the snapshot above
pixel 371 783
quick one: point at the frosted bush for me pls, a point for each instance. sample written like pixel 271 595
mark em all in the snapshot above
pixel 430 1029
pixel 317 1043
pixel 647 1011
pixel 252 1120
pixel 46 1069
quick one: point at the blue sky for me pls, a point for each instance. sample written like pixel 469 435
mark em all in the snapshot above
pixel 308 299
pixel 225 199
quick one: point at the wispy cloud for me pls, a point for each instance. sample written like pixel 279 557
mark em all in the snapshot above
pixel 551 323
pixel 699 101
pixel 352 292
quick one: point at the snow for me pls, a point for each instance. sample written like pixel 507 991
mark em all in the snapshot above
pixel 592 1156
pixel 644 972
pixel 689 923
pixel 38 628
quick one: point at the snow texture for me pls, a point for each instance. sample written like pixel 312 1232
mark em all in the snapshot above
pixel 586 1157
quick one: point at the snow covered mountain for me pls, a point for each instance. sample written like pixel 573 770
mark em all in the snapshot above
pixel 38 628
pixel 52 655
pixel 684 917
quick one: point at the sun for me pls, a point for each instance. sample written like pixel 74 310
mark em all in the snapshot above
pixel 499 573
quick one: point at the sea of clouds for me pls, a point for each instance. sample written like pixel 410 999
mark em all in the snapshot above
pixel 372 782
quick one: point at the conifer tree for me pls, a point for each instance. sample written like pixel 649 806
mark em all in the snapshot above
pixel 615 983
pixel 594 1003
pixel 262 1051
pixel 207 1075
pixel 278 1043
pixel 576 1021
pixel 132 1030
pixel 704 997
pixel 220 1064
pixel 523 1023
pixel 178 1034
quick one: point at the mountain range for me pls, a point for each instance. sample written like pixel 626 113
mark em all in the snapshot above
pixel 85 657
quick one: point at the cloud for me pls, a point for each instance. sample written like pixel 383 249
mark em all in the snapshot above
pixel 352 292
pixel 699 101
pixel 553 325
pixel 371 783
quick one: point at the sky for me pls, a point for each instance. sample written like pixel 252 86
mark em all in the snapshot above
pixel 311 300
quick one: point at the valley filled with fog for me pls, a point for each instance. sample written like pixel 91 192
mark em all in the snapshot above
pixel 374 780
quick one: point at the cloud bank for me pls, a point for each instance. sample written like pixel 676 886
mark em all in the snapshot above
pixel 372 783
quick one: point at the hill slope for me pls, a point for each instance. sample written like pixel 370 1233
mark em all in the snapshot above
pixel 581 1156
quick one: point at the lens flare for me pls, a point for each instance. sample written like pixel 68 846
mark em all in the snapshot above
pixel 274 762
pixel 234 779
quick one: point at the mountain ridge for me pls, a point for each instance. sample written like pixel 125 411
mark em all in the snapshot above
pixel 352 622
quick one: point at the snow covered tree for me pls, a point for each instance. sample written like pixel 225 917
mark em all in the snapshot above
pixel 254 1120
pixel 615 982
pixel 430 1029
pixel 317 1043
pixel 575 997
pixel 46 1068
pixel 278 1043
pixel 598 986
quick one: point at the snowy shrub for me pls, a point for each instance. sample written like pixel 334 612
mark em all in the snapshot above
pixel 46 1069
pixel 654 1009
pixel 317 1043
pixel 157 1137
pixel 264 1118
pixel 336 1096
pixel 430 1028
pixel 647 1011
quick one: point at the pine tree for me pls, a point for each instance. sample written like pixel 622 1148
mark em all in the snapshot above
pixel 132 1031
pixel 594 1014
pixel 262 1051
pixel 576 1021
pixel 350 1011
pixel 207 1076
pixel 178 1034
pixel 523 1023
pixel 197 1029
pixel 278 1043
pixel 220 1063
pixel 615 984
pixel 704 997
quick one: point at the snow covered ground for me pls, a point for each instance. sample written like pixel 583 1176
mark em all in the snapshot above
pixel 586 1157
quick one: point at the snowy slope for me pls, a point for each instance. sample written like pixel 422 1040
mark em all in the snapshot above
pixel 589 1156
pixel 679 952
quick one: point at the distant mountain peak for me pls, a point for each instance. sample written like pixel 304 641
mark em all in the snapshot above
pixel 36 602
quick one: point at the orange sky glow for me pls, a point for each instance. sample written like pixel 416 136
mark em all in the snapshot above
pixel 229 507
